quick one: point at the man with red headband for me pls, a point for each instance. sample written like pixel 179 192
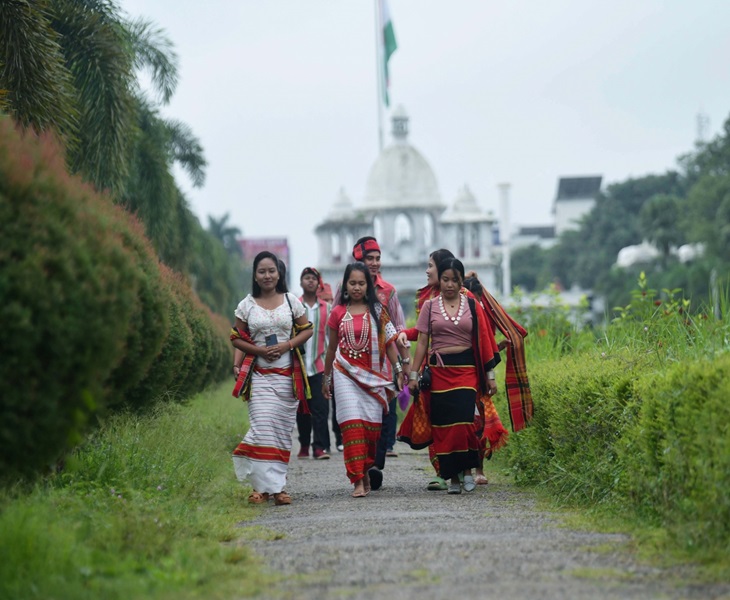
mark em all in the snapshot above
pixel 367 250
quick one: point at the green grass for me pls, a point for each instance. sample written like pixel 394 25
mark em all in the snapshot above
pixel 147 508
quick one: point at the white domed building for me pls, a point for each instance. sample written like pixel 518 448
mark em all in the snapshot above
pixel 403 209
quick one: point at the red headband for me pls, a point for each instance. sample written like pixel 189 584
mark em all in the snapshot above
pixel 359 251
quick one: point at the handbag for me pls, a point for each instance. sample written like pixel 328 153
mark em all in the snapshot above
pixel 421 435
pixel 424 382
pixel 415 430
pixel 243 382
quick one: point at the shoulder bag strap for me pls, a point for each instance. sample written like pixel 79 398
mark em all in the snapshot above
pixel 291 335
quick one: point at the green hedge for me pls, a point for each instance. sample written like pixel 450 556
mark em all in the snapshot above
pixel 677 453
pixel 582 406
pixel 90 318
pixel 615 430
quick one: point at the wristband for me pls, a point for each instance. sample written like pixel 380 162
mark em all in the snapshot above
pixel 413 376
pixel 405 361
pixel 491 375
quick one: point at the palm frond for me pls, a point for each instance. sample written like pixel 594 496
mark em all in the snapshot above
pixel 153 51
pixel 93 42
pixel 150 191
pixel 187 151
pixel 39 91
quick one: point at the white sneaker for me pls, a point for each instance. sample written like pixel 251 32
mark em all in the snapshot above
pixel 340 448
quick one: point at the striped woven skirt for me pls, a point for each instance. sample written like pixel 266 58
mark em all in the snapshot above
pixel 263 455
pixel 360 417
pixel 453 404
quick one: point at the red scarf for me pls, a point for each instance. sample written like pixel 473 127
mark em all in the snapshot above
pixel 300 384
pixel 519 395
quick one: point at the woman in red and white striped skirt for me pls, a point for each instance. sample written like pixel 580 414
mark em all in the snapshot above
pixel 361 336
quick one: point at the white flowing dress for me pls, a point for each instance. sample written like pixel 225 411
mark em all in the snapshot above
pixel 263 455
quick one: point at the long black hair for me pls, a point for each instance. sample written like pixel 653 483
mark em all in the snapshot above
pixel 474 286
pixel 280 268
pixel 371 298
pixel 451 263
pixel 441 254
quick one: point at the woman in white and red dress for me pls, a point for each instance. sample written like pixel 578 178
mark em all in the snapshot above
pixel 265 320
pixel 361 337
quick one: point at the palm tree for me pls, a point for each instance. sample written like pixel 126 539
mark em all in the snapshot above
pixel 70 66
pixel 37 84
pixel 227 234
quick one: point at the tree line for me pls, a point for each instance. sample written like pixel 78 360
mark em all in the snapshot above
pixel 72 67
pixel 111 291
pixel 689 204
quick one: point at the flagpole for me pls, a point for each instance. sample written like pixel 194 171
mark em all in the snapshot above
pixel 379 70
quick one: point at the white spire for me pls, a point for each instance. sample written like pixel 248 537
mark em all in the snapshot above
pixel 399 118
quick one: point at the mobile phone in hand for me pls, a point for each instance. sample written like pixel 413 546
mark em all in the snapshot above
pixel 271 340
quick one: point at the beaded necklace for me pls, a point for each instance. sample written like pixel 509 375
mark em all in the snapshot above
pixel 446 316
pixel 355 348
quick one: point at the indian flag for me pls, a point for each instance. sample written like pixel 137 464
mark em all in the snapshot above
pixel 389 46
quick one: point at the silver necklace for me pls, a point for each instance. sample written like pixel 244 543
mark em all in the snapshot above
pixel 356 348
pixel 455 319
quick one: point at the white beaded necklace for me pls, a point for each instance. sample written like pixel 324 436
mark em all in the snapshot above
pixel 356 348
pixel 456 318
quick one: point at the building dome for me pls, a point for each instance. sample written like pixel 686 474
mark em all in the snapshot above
pixel 343 207
pixel 401 177
pixel 465 209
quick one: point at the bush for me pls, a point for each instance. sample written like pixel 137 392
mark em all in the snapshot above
pixel 643 427
pixel 583 404
pixel 67 288
pixel 677 453
pixel 148 326
pixel 175 356
pixel 90 318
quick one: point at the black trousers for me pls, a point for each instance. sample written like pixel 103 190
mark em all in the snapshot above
pixel 387 432
pixel 314 429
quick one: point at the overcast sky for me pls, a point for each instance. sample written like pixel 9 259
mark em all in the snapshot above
pixel 282 94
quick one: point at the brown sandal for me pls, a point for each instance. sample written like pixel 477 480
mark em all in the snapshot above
pixel 282 498
pixel 258 498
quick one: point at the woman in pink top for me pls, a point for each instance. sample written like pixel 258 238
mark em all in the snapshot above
pixel 454 331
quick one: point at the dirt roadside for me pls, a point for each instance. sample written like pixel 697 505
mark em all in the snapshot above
pixel 404 542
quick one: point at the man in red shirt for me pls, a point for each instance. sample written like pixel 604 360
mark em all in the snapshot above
pixel 367 250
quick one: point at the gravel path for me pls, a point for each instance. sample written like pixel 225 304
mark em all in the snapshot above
pixel 405 542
